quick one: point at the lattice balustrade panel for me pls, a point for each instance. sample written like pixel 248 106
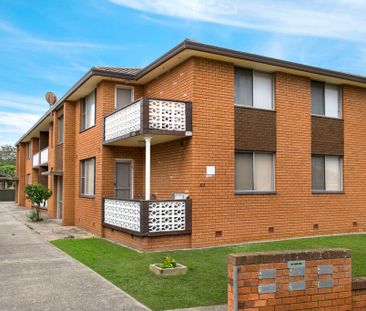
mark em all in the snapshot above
pixel 167 216
pixel 167 115
pixel 123 214
pixel 123 122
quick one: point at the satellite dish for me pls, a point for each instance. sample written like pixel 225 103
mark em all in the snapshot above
pixel 51 98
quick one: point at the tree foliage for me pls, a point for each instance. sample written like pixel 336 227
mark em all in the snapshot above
pixel 37 194
pixel 7 169
pixel 7 154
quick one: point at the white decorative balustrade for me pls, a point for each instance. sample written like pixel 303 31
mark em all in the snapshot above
pixel 149 116
pixel 167 115
pixel 122 214
pixel 148 218
pixel 35 160
pixel 166 216
pixel 123 122
pixel 44 156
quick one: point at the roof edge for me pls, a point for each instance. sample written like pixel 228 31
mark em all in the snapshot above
pixel 201 47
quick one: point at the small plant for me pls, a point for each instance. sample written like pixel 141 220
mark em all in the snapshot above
pixel 168 262
pixel 37 194
pixel 32 215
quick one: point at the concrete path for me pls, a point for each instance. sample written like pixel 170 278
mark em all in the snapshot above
pixel 34 275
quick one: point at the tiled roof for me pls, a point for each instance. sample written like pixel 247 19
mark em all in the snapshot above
pixel 121 70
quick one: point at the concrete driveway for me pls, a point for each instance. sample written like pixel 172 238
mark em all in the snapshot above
pixel 34 275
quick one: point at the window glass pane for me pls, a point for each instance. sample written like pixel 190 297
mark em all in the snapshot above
pixel 124 97
pixel 244 171
pixel 317 174
pixel 317 98
pixel 332 101
pixel 333 174
pixel 82 180
pixel 90 177
pixel 263 89
pixel 243 87
pixel 263 172
pixel 61 129
pixel 88 111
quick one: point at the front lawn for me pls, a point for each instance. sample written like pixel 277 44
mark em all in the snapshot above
pixel 204 284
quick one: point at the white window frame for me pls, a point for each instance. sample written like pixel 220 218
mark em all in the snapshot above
pixel 325 175
pixel 126 87
pixel 253 168
pixel 84 114
pixel 59 140
pixel 132 163
pixel 29 150
pixel 273 91
pixel 340 107
pixel 84 178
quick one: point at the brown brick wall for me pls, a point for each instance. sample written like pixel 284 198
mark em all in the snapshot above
pixel 327 136
pixel 255 129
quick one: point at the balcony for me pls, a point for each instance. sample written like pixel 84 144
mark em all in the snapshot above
pixel 35 160
pixel 164 120
pixel 148 218
pixel 40 158
pixel 44 156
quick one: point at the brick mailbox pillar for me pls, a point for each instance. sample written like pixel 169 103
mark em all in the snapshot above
pixel 295 280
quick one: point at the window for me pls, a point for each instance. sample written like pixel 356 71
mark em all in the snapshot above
pixel 326 173
pixel 88 177
pixel 61 129
pixel 88 111
pixel 326 99
pixel 253 88
pixel 124 96
pixel 28 181
pixel 28 150
pixel 254 171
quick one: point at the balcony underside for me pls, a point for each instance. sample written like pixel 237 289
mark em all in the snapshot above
pixel 137 139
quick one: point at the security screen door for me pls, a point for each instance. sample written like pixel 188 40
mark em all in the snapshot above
pixel 122 188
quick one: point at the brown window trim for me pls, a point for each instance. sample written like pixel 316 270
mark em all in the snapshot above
pixel 256 108
pixel 253 192
pixel 86 196
pixel 327 192
pixel 325 117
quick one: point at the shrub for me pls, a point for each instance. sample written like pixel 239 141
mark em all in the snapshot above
pixel 37 194
pixel 168 262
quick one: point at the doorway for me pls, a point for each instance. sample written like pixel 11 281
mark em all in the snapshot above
pixel 123 189
pixel 59 197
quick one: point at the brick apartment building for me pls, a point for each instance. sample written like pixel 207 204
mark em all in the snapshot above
pixel 205 146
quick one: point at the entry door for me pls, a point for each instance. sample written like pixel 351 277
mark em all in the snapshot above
pixel 123 182
pixel 59 196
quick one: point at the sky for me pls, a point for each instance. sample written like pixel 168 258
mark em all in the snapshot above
pixel 47 45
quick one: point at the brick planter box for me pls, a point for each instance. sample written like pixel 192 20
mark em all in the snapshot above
pixel 178 270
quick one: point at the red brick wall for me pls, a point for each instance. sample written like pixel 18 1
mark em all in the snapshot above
pixel 359 294
pixel 20 173
pixel 249 266
pixel 293 210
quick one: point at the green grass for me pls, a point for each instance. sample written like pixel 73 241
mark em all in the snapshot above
pixel 204 284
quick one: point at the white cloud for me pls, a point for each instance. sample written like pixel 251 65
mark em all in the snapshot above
pixel 342 19
pixel 14 125
pixel 22 102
